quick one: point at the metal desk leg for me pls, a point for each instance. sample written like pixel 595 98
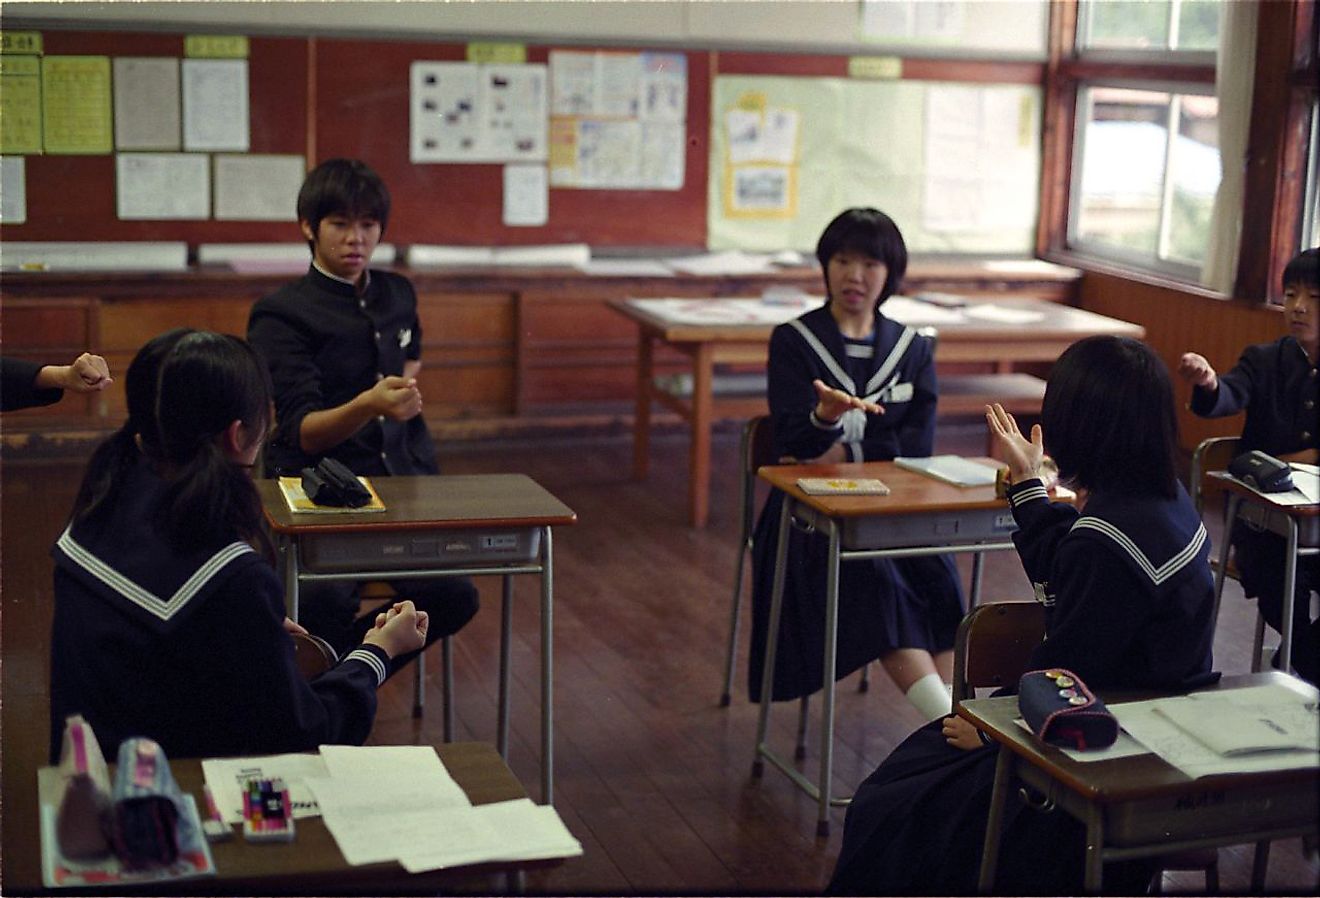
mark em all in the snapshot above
pixel 1230 518
pixel 547 670
pixel 1289 596
pixel 994 823
pixel 827 713
pixel 772 635
pixel 1095 844
pixel 290 547
pixel 506 650
pixel 978 570
pixel 642 412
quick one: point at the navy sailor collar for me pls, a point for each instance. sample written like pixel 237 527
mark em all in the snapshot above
pixel 821 333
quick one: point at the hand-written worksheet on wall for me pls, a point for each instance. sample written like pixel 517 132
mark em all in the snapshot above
pixel 147 103
pixel 215 104
pixel 162 186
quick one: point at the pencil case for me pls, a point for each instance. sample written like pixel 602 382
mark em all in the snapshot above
pixel 1061 710
pixel 82 823
pixel 147 806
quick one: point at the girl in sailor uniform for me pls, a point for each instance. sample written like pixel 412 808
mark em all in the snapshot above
pixel 845 383
pixel 169 617
pixel 1129 604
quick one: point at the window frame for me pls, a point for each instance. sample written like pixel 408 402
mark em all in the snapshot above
pixel 1278 147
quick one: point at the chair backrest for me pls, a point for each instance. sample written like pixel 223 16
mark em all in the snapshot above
pixel 758 449
pixel 1211 454
pixel 993 645
pixel 313 655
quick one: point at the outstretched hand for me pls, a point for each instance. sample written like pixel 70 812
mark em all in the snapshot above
pixel 831 403
pixel 397 398
pixel 1023 455
pixel 87 374
pixel 1194 369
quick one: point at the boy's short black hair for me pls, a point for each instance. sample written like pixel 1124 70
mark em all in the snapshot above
pixel 345 187
pixel 1304 269
pixel 1108 418
pixel 871 233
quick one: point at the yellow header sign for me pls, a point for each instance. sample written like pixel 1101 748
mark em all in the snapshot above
pixel 877 68
pixel 215 46
pixel 506 54
pixel 28 42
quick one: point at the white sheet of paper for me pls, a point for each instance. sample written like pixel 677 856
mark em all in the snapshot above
pixel 13 189
pixel 507 830
pixel 226 776
pixel 403 777
pixel 728 262
pixel 915 313
pixel 559 255
pixel 420 255
pixel 1124 747
pixel 146 91
pixel 526 195
pixel 258 187
pixel 215 104
pixel 628 268
pixel 1002 315
pixel 162 186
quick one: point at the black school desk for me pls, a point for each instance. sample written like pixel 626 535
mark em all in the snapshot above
pixel 312 864
pixel 920 516
pixel 1141 805
pixel 446 526
pixel 1299 525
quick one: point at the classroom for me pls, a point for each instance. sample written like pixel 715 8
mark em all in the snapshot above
pixel 605 222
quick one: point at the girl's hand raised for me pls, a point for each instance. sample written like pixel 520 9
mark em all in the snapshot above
pixel 1023 455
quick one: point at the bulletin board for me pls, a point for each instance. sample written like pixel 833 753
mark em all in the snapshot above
pixel 957 166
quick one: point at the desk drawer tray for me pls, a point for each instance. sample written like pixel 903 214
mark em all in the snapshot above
pixel 1200 813
pixel 335 553
pixel 901 531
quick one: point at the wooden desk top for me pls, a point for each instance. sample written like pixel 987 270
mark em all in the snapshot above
pixel 445 502
pixel 312 863
pixel 909 490
pixel 1120 779
pixel 1058 322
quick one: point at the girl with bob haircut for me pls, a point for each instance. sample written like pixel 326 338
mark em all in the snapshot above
pixel 845 383
pixel 1124 576
pixel 169 618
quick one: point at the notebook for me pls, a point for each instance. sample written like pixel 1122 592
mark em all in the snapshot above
pixel 1228 729
pixel 951 469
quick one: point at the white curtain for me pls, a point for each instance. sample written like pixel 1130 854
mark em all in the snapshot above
pixel 1234 77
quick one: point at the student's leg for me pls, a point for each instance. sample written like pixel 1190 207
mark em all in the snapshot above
pixel 328 609
pixel 915 674
pixel 1260 559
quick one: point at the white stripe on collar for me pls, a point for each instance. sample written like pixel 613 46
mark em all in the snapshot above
pixel 1157 574
pixel 826 358
pixel 144 598
pixel 890 362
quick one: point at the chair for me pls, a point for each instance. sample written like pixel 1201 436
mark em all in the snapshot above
pixel 313 655
pixel 992 648
pixel 756 449
pixel 376 591
pixel 1214 454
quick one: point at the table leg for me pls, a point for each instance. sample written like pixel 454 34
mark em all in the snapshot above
pixel 772 634
pixel 994 823
pixel 642 413
pixel 1230 517
pixel 1289 596
pixel 827 712
pixel 547 670
pixel 506 651
pixel 1095 843
pixel 978 570
pixel 703 386
pixel 290 554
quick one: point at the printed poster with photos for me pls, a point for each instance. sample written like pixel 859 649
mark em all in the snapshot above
pixel 470 112
pixel 761 159
pixel 618 120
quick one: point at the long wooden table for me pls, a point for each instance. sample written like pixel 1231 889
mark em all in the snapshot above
pixel 708 342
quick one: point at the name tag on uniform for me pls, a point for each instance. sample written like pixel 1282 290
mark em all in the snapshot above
pixel 899 393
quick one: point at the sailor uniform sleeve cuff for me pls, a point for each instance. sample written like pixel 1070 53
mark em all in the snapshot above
pixel 825 425
pixel 372 656
pixel 1026 491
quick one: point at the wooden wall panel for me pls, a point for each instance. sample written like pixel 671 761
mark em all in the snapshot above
pixel 467 353
pixel 1178 321
pixel 52 331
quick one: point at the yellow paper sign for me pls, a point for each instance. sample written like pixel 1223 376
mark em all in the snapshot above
pixel 751 102
pixel 20 114
pixel 879 68
pixel 28 42
pixel 75 105
pixel 20 65
pixel 215 46
pixel 488 52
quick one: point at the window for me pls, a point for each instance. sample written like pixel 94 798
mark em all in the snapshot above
pixel 1311 205
pixel 1149 25
pixel 1146 174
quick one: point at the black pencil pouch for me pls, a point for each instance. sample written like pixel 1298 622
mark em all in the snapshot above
pixel 1062 711
pixel 146 806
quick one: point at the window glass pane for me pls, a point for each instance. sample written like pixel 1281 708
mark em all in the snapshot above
pixel 1198 25
pixel 1124 144
pixel 1128 24
pixel 1194 168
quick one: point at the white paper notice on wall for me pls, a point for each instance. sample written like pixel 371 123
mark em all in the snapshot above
pixel 257 187
pixel 162 186
pixel 215 104
pixel 526 195
pixel 13 190
pixel 146 91
pixel 468 112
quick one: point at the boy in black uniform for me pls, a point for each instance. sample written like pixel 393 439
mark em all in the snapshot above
pixel 344 348
pixel 1278 384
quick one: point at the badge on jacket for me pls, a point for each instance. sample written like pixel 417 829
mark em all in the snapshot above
pixel 405 337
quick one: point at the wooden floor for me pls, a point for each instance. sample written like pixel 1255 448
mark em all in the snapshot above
pixel 651 774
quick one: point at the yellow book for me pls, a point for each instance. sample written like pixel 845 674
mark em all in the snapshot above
pixel 296 499
pixel 842 486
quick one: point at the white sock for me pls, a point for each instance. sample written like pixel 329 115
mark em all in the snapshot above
pixel 930 697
